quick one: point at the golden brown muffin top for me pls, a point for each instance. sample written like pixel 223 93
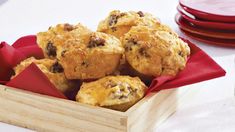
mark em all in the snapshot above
pixel 45 65
pixel 93 42
pixel 51 68
pixel 131 18
pixel 111 90
pixel 50 41
pixel 153 52
pixel 126 20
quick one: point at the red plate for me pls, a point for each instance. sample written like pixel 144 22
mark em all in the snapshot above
pixel 187 26
pixel 212 41
pixel 213 10
pixel 206 24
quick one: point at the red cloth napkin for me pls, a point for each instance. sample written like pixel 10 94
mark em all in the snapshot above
pixel 28 46
pixel 3 82
pixel 34 80
pixel 200 67
pixel 10 56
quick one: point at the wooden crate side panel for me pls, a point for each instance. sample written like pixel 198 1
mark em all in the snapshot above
pixel 155 110
pixel 185 97
pixel 52 114
pixel 151 108
pixel 45 113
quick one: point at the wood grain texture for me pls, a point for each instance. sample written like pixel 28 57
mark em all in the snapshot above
pixel 44 113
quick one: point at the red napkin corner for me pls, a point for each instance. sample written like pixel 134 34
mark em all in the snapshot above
pixel 28 46
pixel 21 49
pixel 9 58
pixel 39 83
pixel 31 79
pixel 200 67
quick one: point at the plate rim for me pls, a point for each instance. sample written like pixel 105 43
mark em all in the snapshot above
pixel 202 33
pixel 212 25
pixel 207 15
pixel 207 41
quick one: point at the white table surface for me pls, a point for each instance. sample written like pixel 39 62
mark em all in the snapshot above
pixel 212 109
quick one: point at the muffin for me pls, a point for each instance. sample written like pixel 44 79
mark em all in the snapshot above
pixel 154 53
pixel 52 40
pixel 114 92
pixel 93 56
pixel 118 23
pixel 52 69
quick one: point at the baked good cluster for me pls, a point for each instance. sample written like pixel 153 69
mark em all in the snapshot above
pixel 113 63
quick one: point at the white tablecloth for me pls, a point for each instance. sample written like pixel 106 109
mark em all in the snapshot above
pixel 212 109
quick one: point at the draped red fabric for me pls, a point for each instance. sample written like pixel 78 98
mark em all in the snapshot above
pixel 34 80
pixel 200 67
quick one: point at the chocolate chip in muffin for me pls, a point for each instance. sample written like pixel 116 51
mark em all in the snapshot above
pixel 96 42
pixel 63 52
pixel 129 88
pixel 51 49
pixel 141 14
pixel 114 29
pixel 128 48
pixel 130 43
pixel 181 53
pixel 132 91
pixel 56 68
pixel 68 27
pixel 116 94
pixel 75 68
pixel 122 14
pixel 143 52
pixel 85 64
pixel 110 84
pixel 113 19
pixel 12 73
pixel 123 96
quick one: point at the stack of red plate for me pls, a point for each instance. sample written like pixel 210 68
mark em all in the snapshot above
pixel 209 21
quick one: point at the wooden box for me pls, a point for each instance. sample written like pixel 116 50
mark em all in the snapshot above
pixel 44 113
